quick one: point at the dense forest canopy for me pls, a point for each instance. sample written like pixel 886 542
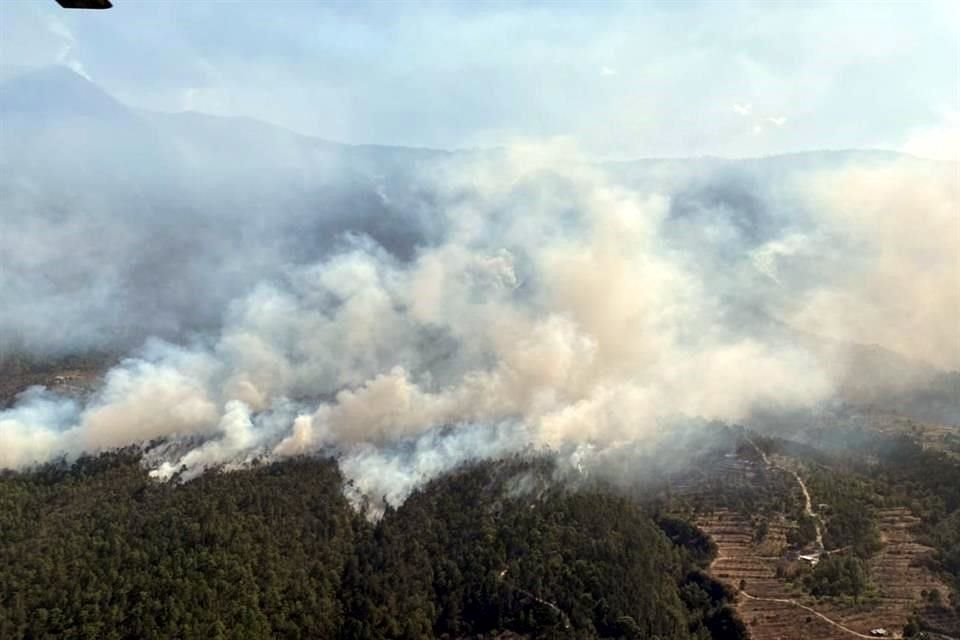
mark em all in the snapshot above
pixel 99 550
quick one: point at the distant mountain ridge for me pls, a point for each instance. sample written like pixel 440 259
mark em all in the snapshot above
pixel 230 196
pixel 58 90
pixel 152 223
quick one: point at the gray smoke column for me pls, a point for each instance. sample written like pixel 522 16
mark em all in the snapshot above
pixel 559 308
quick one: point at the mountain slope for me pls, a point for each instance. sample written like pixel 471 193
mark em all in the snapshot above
pixel 99 550
pixel 97 198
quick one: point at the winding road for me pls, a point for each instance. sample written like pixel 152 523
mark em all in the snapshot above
pixel 808 503
pixel 808 506
pixel 808 509
pixel 813 611
pixel 546 603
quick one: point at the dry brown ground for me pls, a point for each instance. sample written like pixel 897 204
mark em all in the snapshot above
pixel 894 570
pixel 738 558
pixel 897 572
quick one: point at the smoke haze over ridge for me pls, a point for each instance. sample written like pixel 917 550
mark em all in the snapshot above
pixel 311 297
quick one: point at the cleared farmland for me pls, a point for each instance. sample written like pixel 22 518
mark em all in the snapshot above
pixel 775 607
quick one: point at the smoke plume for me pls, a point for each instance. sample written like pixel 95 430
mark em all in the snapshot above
pixel 544 303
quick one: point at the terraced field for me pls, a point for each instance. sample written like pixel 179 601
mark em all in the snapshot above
pixel 768 614
pixel 902 582
pixel 939 437
pixel 775 609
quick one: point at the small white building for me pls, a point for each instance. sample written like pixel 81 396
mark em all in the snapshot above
pixel 812 558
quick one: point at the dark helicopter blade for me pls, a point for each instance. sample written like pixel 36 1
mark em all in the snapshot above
pixel 85 4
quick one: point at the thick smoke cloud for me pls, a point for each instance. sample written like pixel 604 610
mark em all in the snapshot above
pixel 118 225
pixel 486 304
pixel 902 289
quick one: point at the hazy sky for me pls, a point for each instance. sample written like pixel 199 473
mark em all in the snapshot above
pixel 622 79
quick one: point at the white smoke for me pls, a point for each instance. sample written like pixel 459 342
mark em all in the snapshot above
pixel 902 289
pixel 553 313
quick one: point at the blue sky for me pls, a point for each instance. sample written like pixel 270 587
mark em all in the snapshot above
pixel 619 79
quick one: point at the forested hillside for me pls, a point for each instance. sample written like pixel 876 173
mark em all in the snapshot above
pixel 99 550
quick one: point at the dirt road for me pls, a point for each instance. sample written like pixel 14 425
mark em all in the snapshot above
pixel 808 503
pixel 808 609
